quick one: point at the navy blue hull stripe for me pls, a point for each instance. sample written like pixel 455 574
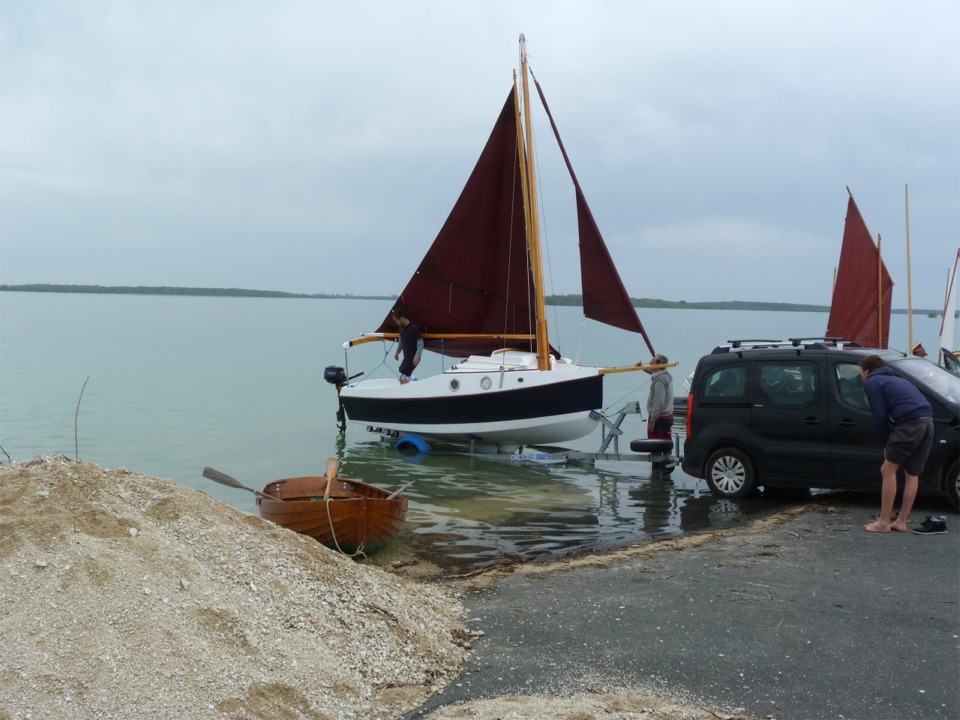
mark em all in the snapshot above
pixel 580 395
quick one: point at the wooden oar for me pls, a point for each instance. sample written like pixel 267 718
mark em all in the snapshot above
pixel 397 492
pixel 333 467
pixel 225 479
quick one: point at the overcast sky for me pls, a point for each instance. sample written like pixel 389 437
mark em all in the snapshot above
pixel 318 146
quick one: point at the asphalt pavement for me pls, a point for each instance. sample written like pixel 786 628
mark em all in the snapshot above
pixel 803 615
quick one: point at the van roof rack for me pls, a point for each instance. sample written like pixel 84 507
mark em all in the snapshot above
pixel 816 343
pixel 833 341
pixel 753 343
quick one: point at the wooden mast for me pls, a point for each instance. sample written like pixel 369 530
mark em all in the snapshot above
pixel 906 205
pixel 879 292
pixel 532 215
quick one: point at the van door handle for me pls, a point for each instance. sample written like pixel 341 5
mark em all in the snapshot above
pixel 811 421
pixel 846 423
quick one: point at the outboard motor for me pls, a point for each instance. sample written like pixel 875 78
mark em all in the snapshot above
pixel 337 376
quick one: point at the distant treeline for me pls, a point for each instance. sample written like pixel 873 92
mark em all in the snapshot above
pixel 574 300
pixel 166 290
pixel 724 305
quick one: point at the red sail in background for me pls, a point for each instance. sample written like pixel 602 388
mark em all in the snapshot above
pixel 605 299
pixel 863 290
pixel 475 278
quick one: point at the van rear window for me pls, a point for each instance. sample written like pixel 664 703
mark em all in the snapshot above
pixel 788 384
pixel 728 383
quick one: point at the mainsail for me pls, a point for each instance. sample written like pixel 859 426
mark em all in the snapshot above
pixel 863 291
pixel 476 278
pixel 478 295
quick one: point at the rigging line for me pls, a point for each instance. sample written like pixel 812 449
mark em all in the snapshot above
pixel 544 236
pixel 531 308
pixel 519 148
pixel 583 332
pixel 513 209
pixel 383 360
pixel 635 390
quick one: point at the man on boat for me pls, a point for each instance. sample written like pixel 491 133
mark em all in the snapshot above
pixel 660 401
pixel 410 343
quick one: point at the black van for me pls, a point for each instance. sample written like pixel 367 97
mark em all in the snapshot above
pixel 794 414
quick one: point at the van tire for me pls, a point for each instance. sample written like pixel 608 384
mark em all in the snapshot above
pixel 730 474
pixel 951 484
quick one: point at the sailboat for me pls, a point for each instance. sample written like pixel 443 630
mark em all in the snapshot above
pixel 478 296
pixel 947 357
pixel 863 289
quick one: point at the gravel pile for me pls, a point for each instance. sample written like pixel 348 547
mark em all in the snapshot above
pixel 600 705
pixel 130 596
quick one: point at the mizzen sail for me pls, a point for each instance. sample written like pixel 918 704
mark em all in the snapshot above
pixel 862 293
pixel 605 299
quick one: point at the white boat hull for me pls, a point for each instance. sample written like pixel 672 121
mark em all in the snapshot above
pixel 502 399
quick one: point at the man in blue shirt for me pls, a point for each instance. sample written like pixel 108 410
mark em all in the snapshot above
pixel 904 421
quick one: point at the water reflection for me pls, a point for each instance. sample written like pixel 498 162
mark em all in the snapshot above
pixel 471 511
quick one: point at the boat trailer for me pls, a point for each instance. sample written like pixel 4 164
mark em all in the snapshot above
pixel 663 454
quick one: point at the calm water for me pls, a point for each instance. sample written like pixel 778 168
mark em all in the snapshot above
pixel 178 383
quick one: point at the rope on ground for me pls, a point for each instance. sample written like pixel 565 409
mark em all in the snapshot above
pixel 333 534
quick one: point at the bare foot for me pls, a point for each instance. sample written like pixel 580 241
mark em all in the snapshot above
pixel 899 526
pixel 877 526
pixel 893 518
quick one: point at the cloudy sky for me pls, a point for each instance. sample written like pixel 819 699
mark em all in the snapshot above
pixel 317 147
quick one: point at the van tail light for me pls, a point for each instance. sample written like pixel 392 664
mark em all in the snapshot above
pixel 689 415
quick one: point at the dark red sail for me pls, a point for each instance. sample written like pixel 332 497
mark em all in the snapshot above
pixel 475 277
pixel 862 294
pixel 605 299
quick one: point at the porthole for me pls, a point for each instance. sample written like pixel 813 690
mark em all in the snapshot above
pixel 454 384
pixel 486 383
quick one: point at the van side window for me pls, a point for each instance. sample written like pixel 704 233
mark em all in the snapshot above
pixel 788 384
pixel 728 383
pixel 850 385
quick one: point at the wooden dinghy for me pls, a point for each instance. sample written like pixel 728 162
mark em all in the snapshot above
pixel 350 516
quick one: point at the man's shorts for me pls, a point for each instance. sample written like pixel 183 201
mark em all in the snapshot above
pixel 406 368
pixel 909 444
pixel 662 428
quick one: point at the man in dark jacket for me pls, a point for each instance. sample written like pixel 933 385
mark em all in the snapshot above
pixel 410 343
pixel 904 421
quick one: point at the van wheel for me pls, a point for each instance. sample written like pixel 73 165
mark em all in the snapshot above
pixel 730 474
pixel 952 484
